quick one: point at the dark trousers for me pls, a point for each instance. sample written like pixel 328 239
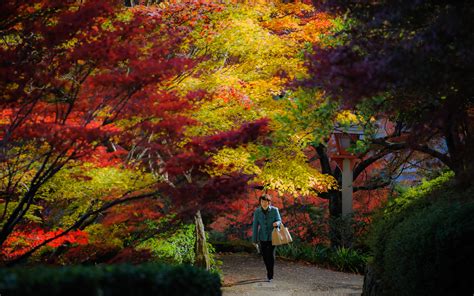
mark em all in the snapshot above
pixel 268 253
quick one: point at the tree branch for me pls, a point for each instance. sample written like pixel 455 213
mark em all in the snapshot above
pixel 81 220
pixel 367 162
pixel 421 148
pixel 372 186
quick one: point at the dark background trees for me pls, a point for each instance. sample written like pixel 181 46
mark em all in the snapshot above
pixel 412 62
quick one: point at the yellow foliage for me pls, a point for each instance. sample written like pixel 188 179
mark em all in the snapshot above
pixel 346 117
pixel 288 172
pixel 248 46
pixel 229 160
pixel 84 187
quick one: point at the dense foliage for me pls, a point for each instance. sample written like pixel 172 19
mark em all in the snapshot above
pixel 104 95
pixel 123 279
pixel 422 241
pixel 411 62
pixel 120 123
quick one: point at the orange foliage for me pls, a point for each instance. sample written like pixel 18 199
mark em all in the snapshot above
pixel 21 241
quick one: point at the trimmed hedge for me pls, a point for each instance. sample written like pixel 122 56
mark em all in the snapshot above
pixel 107 280
pixel 423 241
pixel 431 252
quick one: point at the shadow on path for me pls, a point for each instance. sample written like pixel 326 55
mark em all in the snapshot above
pixel 246 282
pixel 244 275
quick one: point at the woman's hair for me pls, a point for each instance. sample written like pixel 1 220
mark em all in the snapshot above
pixel 265 197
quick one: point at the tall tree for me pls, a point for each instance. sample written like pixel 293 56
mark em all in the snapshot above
pixel 411 62
pixel 79 75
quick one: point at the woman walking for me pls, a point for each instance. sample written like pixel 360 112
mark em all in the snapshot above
pixel 265 218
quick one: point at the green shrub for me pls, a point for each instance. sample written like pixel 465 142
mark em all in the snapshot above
pixel 343 259
pixel 217 236
pixel 108 280
pixel 431 252
pixel 178 248
pixel 398 209
pixel 289 251
pixel 423 241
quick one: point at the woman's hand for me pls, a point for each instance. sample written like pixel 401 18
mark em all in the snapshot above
pixel 275 224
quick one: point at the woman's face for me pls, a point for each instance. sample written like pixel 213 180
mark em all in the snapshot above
pixel 264 203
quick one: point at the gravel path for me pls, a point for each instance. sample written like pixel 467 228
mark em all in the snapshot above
pixel 244 274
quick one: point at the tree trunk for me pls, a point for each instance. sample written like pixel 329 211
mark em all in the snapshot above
pixel 336 229
pixel 200 247
pixel 334 196
pixel 335 203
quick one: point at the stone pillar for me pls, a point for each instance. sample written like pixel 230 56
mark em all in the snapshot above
pixel 347 178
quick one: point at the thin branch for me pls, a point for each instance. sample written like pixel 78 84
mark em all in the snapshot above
pixel 372 186
pixel 367 162
pixel 421 148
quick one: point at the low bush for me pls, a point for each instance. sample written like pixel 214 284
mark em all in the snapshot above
pixel 342 259
pixel 422 241
pixel 109 280
pixel 178 248
pixel 345 259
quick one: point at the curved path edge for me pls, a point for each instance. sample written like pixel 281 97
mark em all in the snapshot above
pixel 244 274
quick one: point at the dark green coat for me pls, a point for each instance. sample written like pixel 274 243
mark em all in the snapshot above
pixel 262 226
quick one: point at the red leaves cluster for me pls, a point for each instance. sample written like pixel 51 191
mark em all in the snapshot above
pixel 306 217
pixel 103 158
pixel 21 241
pixel 134 214
pixel 72 77
pixel 230 94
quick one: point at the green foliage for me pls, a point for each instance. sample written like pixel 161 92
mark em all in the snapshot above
pixel 422 241
pixel 345 259
pixel 30 215
pixel 309 118
pixel 342 259
pixel 74 190
pixel 398 209
pixel 415 197
pixel 178 248
pixel 107 280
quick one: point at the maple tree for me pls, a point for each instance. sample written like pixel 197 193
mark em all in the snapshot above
pixel 106 80
pixel 253 52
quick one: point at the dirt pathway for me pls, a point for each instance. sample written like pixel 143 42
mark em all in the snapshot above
pixel 244 274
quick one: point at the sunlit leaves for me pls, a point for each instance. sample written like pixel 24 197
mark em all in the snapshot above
pixel 240 159
pixel 74 191
pixel 22 241
pixel 252 52
pixel 287 171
